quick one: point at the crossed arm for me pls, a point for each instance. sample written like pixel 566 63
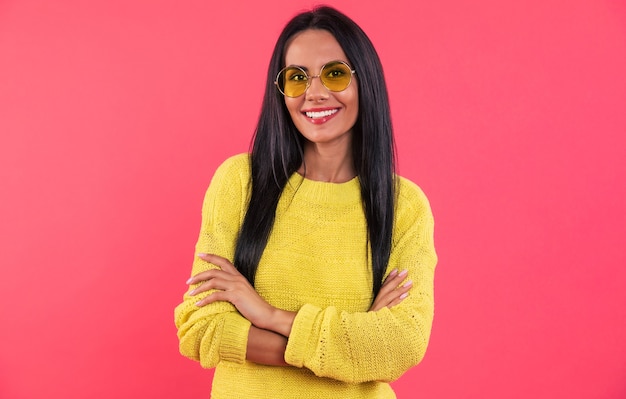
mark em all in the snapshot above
pixel 270 326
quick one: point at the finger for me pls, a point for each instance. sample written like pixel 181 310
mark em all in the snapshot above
pixel 398 300
pixel 398 292
pixel 395 278
pixel 219 261
pixel 203 276
pixel 391 275
pixel 390 278
pixel 217 280
pixel 392 297
pixel 392 281
pixel 216 260
pixel 214 297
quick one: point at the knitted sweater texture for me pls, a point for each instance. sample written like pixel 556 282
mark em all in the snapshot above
pixel 316 263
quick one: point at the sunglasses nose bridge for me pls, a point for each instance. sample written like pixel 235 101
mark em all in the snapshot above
pixel 318 89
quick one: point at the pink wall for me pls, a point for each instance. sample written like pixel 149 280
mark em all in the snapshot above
pixel 510 115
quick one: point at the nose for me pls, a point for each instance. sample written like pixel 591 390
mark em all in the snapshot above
pixel 316 90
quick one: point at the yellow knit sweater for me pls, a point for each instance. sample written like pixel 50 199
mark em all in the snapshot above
pixel 316 263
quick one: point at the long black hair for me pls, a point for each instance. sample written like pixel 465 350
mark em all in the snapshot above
pixel 277 147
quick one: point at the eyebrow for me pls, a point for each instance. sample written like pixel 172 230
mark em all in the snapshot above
pixel 307 69
pixel 299 66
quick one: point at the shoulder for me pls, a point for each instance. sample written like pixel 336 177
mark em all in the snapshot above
pixel 412 205
pixel 410 195
pixel 230 181
pixel 236 167
pixel 236 164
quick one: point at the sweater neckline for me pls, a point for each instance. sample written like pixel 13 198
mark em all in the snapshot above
pixel 325 192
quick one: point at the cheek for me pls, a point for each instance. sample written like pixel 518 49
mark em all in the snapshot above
pixel 351 101
pixel 293 106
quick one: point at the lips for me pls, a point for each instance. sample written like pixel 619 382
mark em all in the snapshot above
pixel 318 116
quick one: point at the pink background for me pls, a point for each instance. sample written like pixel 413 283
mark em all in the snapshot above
pixel 511 115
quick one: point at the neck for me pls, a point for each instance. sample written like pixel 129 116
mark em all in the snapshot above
pixel 327 164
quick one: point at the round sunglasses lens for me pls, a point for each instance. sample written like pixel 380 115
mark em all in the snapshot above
pixel 292 81
pixel 336 76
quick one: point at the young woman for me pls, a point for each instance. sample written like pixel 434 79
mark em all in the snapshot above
pixel 315 262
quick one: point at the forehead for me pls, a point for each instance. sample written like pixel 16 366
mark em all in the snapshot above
pixel 313 48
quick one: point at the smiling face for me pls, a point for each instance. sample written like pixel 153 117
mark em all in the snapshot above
pixel 322 116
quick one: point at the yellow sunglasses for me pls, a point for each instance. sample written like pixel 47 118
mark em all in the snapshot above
pixel 293 81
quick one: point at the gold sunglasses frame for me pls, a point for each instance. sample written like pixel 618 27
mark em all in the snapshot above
pixel 309 78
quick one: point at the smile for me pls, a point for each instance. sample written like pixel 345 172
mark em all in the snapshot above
pixel 321 114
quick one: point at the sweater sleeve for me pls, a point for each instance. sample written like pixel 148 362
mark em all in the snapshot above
pixel 216 331
pixel 381 345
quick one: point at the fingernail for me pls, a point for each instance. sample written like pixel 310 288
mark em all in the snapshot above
pixel 404 295
pixel 408 283
pixel 403 272
pixel 393 272
pixel 189 281
pixel 202 254
pixel 197 303
pixel 192 292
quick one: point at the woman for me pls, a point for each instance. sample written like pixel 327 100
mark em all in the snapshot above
pixel 315 265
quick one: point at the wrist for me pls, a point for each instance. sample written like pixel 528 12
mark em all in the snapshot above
pixel 280 321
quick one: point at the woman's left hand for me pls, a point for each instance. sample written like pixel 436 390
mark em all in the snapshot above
pixel 231 286
pixel 391 292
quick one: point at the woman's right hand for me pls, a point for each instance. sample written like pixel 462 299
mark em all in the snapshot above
pixel 392 292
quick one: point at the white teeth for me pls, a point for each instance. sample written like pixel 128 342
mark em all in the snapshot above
pixel 320 114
